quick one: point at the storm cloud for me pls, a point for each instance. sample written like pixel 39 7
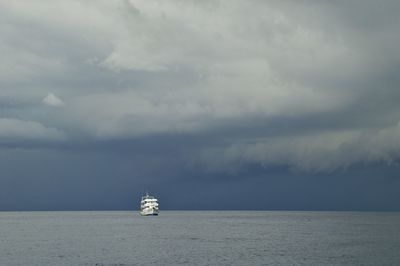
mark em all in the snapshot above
pixel 213 87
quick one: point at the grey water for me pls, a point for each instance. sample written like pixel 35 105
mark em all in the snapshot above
pixel 199 238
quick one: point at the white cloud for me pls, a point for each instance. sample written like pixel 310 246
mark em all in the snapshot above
pixel 18 130
pixel 52 100
pixel 113 115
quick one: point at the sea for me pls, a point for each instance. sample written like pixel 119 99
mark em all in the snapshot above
pixel 199 238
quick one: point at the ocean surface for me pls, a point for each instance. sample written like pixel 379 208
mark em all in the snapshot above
pixel 199 238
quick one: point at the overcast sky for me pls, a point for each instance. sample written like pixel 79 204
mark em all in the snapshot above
pixel 212 104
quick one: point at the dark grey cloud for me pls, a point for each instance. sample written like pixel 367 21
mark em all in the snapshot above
pixel 51 180
pixel 199 91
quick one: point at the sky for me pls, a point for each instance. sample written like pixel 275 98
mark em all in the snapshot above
pixel 214 104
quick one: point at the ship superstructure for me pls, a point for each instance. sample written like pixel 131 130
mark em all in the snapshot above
pixel 148 205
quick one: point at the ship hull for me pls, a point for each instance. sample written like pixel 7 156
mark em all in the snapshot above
pixel 149 213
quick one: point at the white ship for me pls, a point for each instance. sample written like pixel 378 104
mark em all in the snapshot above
pixel 148 205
